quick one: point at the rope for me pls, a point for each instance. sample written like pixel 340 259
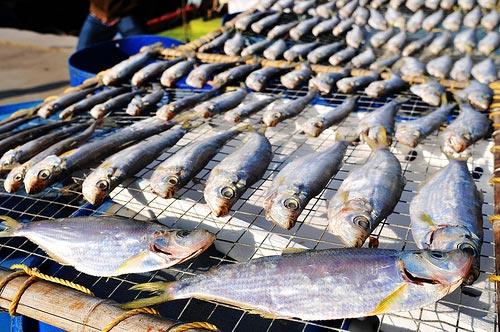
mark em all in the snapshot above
pixel 494 278
pixel 194 325
pixel 495 217
pixel 495 148
pixel 495 180
pixel 34 272
pixel 20 292
pixel 129 314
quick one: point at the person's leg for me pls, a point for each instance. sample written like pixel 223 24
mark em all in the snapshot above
pixel 94 31
pixel 130 26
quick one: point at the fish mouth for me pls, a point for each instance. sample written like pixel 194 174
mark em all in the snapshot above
pixel 457 144
pixel 34 186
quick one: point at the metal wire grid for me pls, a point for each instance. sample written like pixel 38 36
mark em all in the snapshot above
pixel 245 233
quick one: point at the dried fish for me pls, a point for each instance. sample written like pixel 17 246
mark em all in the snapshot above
pixel 384 117
pixel 326 10
pixel 281 30
pixel 323 52
pixel 447 4
pixel 396 43
pixel 466 5
pixel 325 82
pixel 472 18
pixel 342 56
pixel 439 43
pixel 266 22
pixel 453 21
pixel 343 26
pixel 364 59
pixel 489 43
pixel 234 45
pixel 491 20
pixel 170 76
pixel 299 51
pixel 346 11
pixel 126 68
pixel 259 78
pixel 381 37
pixel 432 4
pixel 352 84
pixel 433 20
pixel 216 43
pixel 244 110
pixel 235 75
pixel 200 75
pixel 293 79
pixel 147 102
pixel 479 95
pixel 304 27
pixel 152 71
pixel 377 20
pixel 430 92
pixel 393 84
pixel 461 68
pixel 396 3
pixel 276 50
pixel 168 111
pixel 355 37
pixel 65 100
pixel 485 71
pixel 325 26
pixel 221 103
pixel 465 41
pixel 301 7
pixel 395 18
pixel 487 4
pixel 243 22
pixel 384 62
pixel 272 116
pixel 414 5
pixel 440 66
pixel 281 5
pixel 412 67
pixel 117 102
pixel 361 15
pixel 256 48
pixel 418 44
pixel 415 21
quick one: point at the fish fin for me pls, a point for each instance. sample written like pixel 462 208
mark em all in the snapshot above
pixel 345 196
pixel 388 301
pixel 162 289
pixel 292 250
pixel 452 155
pixel 144 257
pixel 186 117
pixel 8 226
pixel 426 218
pixel 381 141
pixel 67 153
pixel 346 135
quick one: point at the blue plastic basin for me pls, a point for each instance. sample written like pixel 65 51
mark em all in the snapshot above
pixel 87 62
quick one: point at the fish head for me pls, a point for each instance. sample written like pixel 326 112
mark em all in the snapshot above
pixel 408 135
pixel 353 222
pixel 313 127
pixel 8 160
pixel 459 238
pixel 221 194
pixel 14 179
pixel 180 245
pixel 98 184
pixel 283 209
pixel 448 268
pixel 457 142
pixel 40 175
pixel 271 118
pixel 165 182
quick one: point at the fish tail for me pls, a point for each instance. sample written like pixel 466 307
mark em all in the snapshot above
pixel 8 226
pixel 452 155
pixel 163 291
pixel 382 139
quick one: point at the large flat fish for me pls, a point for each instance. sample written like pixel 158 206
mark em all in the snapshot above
pixel 320 284
pixel 110 246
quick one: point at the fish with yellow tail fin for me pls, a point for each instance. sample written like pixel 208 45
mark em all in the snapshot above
pixel 384 116
pixel 366 196
pixel 105 246
pixel 323 284
pixel 446 212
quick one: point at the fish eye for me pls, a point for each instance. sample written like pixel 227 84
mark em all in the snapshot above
pixel 18 178
pixel 103 184
pixel 468 248
pixel 291 204
pixel 318 124
pixel 172 180
pixel 362 222
pixel 44 174
pixel 437 255
pixel 183 233
pixel 227 192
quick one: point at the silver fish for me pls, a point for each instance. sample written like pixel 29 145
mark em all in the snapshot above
pixel 343 26
pixel 280 30
pixel 177 170
pixel 304 27
pixel 265 5
pixel 347 10
pixel 320 285
pixel 299 181
pixel 385 62
pixel 432 4
pixel 395 18
pixel 15 178
pixel 453 21
pixel 276 50
pixel 272 116
pixel 293 79
pixel 372 123
pixel 381 37
pixel 364 59
pixel 377 20
pixel 489 43
pixel 323 52
pixel 440 66
pixel 217 42
pixel 200 75
pixel 126 68
pixel 383 88
pixel 487 4
pixel 433 20
pixel 168 111
pixel 485 71
pixel 65 100
pixel 342 56
pixel 361 15
pixel 326 10
pixel 465 41
pixel 125 163
pixel 147 102
pixel 281 5
pixel 152 71
pixel 235 75
pixel 472 18
pixel 110 246
pixel 414 5
pixel 301 7
pixel 430 92
pixel 117 102
pixel 325 26
pixel 412 132
pixel 417 45
pixel 415 21
pixel 491 20
pixel 266 22
pixel 237 172
pixel 396 3
pixel 243 22
pixel 170 76
pixel 439 43
pixel 234 45
pixel 314 126
pixel 325 82
pixel 244 110
pixel 351 84
pixel 52 168
pixel 447 4
pixel 355 37
pixel 466 5
pixel 378 3
pixel 221 103
pixel 255 48
pixel 467 128
pixel 89 102
pixel 461 68
pixel 366 196
pixel 479 95
pixel 299 51
pixel 396 43
pixel 412 67
pixel 259 78
pixel 446 213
